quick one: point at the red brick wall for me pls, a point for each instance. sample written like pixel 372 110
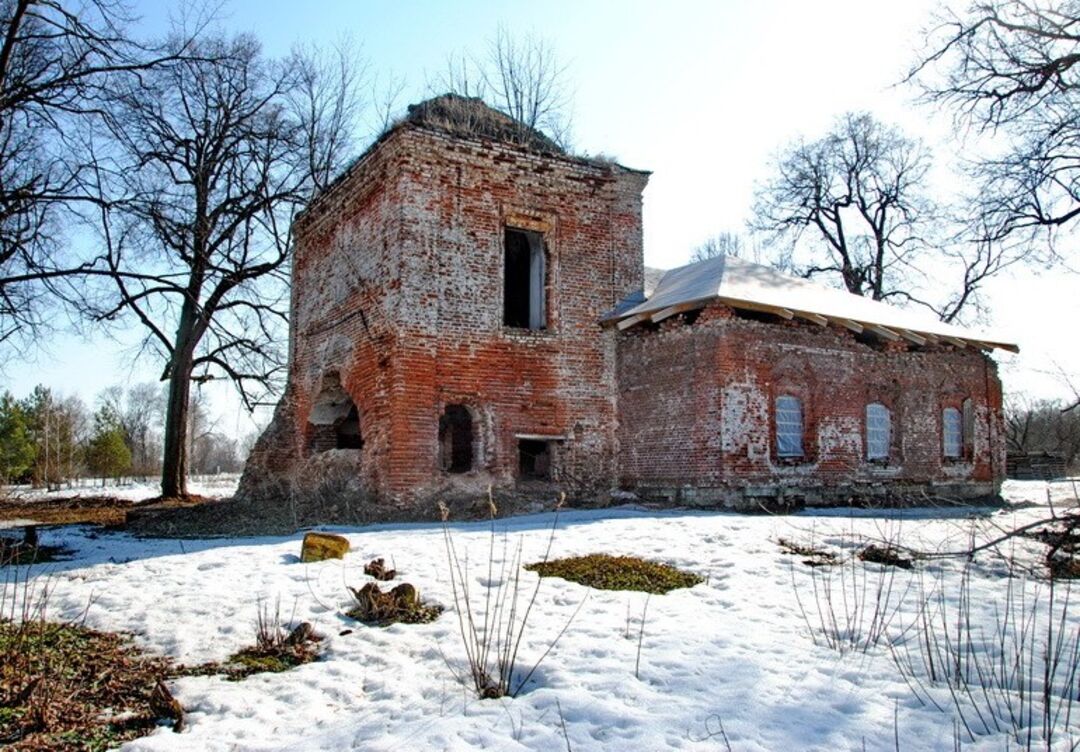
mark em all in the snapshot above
pixel 397 288
pixel 696 413
pixel 413 239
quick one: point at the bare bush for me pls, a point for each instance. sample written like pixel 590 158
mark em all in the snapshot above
pixel 1014 670
pixel 853 603
pixel 494 624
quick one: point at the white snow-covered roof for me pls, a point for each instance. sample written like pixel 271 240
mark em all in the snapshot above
pixel 743 284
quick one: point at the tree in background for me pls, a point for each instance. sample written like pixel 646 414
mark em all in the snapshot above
pixel 520 76
pixel 58 429
pixel 16 447
pixel 1011 69
pixel 140 410
pixel 58 60
pixel 1043 426
pixel 203 165
pixel 107 456
pixel 853 207
pixel 723 244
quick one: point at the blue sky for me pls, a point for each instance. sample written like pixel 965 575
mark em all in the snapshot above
pixel 701 93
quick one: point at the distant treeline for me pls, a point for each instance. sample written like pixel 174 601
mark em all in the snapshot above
pixel 48 440
pixel 1044 427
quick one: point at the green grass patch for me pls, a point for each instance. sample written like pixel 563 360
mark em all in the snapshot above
pixel 617 573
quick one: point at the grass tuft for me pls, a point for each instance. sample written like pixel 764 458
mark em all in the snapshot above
pixel 400 605
pixel 606 572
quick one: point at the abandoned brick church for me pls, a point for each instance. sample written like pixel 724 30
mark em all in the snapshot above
pixel 470 306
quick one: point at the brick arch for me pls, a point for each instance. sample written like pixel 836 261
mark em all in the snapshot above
pixel 334 420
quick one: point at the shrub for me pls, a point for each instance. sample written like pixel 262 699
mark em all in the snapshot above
pixel 606 572
pixel 377 568
pixel 492 636
pixel 276 649
pixel 1013 670
pixel 851 606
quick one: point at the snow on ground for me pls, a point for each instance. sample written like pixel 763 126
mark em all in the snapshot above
pixel 734 650
pixel 211 486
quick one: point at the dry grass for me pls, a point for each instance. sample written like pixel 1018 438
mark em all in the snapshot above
pixel 812 555
pixel 400 605
pixel 82 510
pixel 67 687
pixel 102 510
pixel 276 649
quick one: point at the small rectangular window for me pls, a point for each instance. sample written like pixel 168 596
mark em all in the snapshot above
pixel 534 459
pixel 952 433
pixel 524 280
pixel 878 431
pixel 789 426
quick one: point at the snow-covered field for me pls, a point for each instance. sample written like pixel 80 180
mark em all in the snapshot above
pixel 734 650
pixel 211 486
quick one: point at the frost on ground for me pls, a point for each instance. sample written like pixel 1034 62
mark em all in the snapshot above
pixel 736 649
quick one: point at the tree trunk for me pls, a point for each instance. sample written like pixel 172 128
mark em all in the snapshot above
pixel 174 461
pixel 174 464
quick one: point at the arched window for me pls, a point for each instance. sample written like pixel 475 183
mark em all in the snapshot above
pixel 878 431
pixel 456 439
pixel 789 426
pixel 347 431
pixel 334 420
pixel 952 433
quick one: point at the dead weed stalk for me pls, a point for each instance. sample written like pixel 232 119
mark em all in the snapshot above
pixel 494 624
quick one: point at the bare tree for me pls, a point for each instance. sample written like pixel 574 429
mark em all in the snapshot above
pixel 1043 426
pixel 853 207
pixel 721 244
pixel 519 75
pixel 205 163
pixel 57 62
pixel 1011 68
pixel 139 411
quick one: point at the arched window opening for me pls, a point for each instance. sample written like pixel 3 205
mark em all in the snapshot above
pixel 878 431
pixel 456 439
pixel 789 426
pixel 348 431
pixel 952 433
pixel 334 420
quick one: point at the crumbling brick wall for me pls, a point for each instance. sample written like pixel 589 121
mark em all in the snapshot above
pixel 397 290
pixel 697 423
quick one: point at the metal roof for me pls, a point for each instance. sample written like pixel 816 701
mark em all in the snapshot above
pixel 743 284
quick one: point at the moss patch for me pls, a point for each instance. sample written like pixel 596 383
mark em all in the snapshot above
pixel 66 687
pixel 617 573
pixel 270 656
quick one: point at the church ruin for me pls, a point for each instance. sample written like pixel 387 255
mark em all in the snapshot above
pixel 470 307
